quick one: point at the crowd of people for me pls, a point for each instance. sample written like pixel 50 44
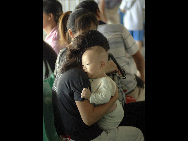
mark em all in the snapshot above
pixel 85 95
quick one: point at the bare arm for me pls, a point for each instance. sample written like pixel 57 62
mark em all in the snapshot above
pixel 140 64
pixel 91 114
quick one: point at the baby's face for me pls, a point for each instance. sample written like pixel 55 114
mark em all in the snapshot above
pixel 91 64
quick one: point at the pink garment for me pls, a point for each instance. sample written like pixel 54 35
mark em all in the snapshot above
pixel 53 38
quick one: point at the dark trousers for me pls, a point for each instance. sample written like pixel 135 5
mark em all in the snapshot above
pixel 134 115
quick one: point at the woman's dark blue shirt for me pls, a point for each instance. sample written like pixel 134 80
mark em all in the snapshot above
pixel 66 114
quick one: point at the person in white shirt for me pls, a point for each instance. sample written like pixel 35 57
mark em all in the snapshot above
pixel 122 46
pixel 94 62
pixel 134 18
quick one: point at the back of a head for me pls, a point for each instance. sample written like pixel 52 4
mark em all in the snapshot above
pixel 49 58
pixel 79 20
pixel 85 22
pixel 92 38
pixel 49 55
pixel 90 5
pixel 71 23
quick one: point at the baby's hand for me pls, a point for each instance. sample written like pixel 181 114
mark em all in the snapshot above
pixel 85 93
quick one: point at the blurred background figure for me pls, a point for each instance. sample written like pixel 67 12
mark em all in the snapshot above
pixel 133 18
pixel 109 10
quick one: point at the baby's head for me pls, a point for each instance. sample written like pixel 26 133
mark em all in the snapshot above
pixel 94 61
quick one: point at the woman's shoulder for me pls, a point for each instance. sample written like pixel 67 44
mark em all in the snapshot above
pixel 75 73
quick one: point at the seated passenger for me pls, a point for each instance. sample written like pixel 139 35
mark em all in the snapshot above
pixel 121 43
pixel 52 10
pixel 73 34
pixel 76 116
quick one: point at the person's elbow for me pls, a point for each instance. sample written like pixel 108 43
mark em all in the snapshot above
pixel 89 121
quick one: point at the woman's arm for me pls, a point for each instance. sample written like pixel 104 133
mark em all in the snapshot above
pixel 91 114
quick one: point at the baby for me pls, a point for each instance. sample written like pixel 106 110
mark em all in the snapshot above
pixel 94 61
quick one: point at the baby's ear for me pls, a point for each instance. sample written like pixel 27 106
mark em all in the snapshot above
pixel 103 64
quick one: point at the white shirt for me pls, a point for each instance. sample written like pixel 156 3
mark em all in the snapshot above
pixel 102 90
pixel 134 17
pixel 121 43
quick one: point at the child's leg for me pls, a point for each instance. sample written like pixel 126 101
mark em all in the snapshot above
pixel 122 133
pixel 134 115
pixel 129 133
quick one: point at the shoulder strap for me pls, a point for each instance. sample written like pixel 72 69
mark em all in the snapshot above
pixel 110 56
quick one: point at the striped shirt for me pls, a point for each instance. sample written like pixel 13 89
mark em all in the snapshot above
pixel 121 43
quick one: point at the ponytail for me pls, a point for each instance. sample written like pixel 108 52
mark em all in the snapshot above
pixel 64 37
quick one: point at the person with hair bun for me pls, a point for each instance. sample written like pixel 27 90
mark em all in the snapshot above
pixel 52 10
pixel 70 26
pixel 70 118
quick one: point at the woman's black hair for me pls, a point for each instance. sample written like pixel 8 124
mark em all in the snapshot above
pixel 74 17
pixel 49 57
pixel 54 7
pixel 90 5
pixel 84 41
pixel 83 23
pixel 80 20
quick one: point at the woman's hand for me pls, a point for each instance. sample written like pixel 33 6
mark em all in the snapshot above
pixel 91 114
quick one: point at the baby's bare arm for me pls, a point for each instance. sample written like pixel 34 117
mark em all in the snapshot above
pixel 86 93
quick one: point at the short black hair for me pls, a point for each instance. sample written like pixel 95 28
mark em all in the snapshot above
pixel 92 38
pixel 49 57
